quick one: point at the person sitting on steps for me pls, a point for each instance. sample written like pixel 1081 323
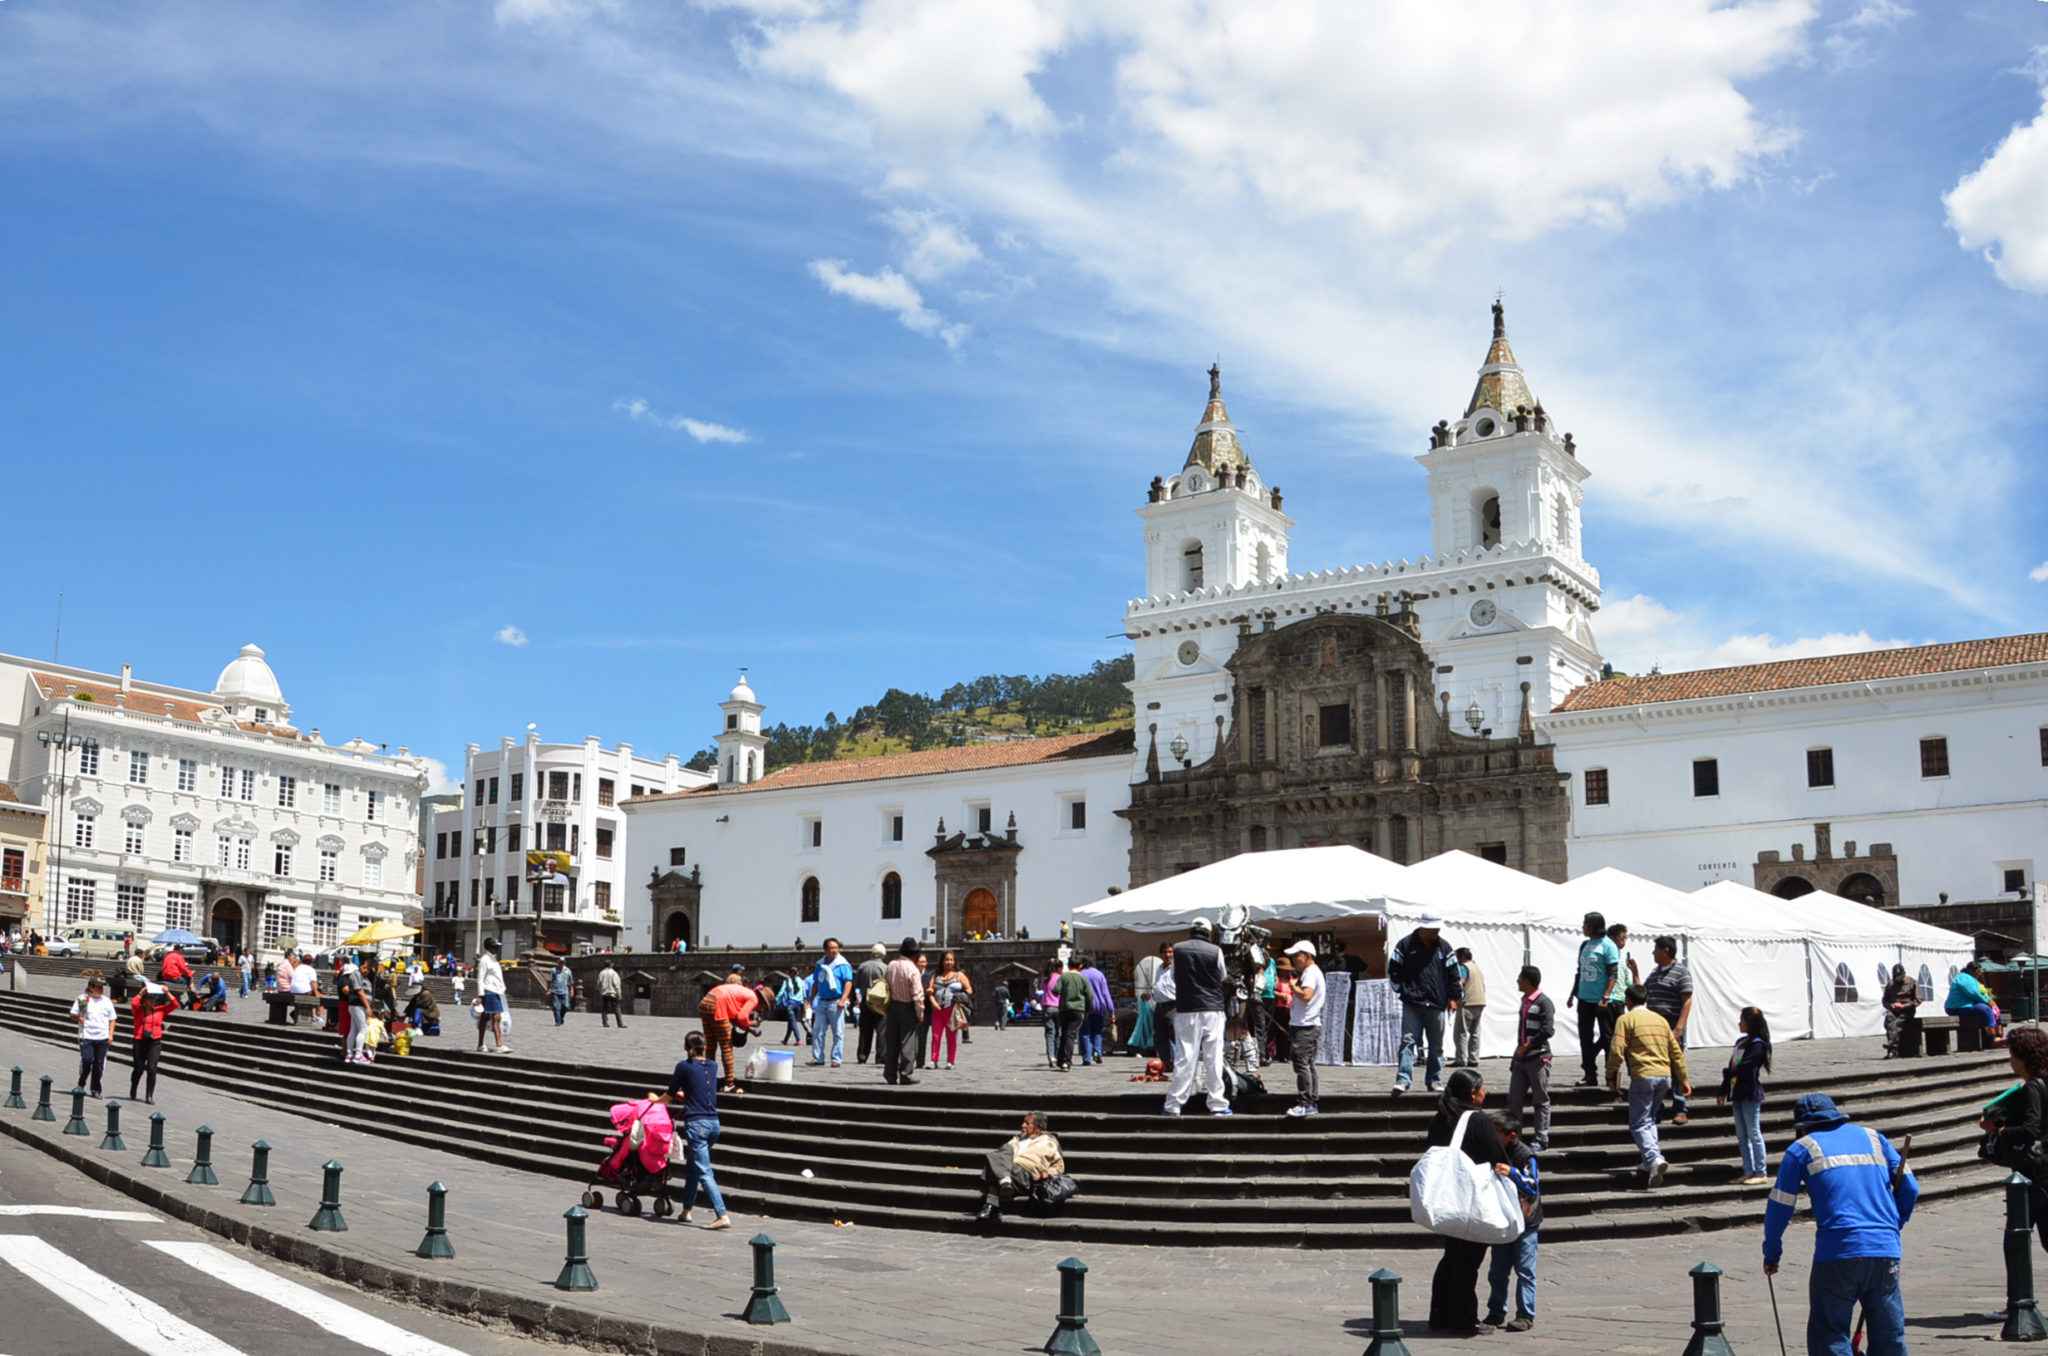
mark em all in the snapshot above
pixel 1031 1156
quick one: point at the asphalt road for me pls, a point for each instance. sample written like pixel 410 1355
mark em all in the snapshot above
pixel 85 1271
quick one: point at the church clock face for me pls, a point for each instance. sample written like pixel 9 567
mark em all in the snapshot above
pixel 1483 612
pixel 1189 652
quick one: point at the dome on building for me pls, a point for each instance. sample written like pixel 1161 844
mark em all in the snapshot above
pixel 741 692
pixel 249 679
pixel 1501 387
pixel 1216 447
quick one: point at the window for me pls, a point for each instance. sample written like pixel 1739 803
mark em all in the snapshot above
pixel 1820 767
pixel 601 895
pixel 518 786
pixel 326 926
pixel 576 787
pixel 330 865
pixel 493 798
pixel 554 898
pixel 227 848
pixel 281 861
pixel 1706 777
pixel 984 819
pixel 131 839
pixel 277 922
pixel 1191 566
pixel 558 786
pixel 490 840
pixel 810 900
pixel 677 855
pixel 188 774
pixel 179 906
pixel 330 798
pixel 182 846
pixel 474 891
pixel 512 837
pixel 227 782
pixel 287 793
pixel 248 784
pixel 138 767
pixel 1497 853
pixel 512 892
pixel 262 716
pixel 2015 880
pixel 88 759
pixel 575 838
pixel 895 828
pixel 373 806
pixel 1845 984
pixel 605 791
pixel 558 838
pixel 604 841
pixel 243 849
pixel 1256 700
pixel 128 902
pixel 373 873
pixel 732 721
pixel 490 891
pixel 78 900
pixel 82 828
pixel 1077 815
pixel 639 790
pixel 440 845
pixel 1596 786
pixel 892 896
pixel 13 869
pixel 817 833
pixel 1397 711
pixel 1489 521
pixel 2044 746
pixel 1934 756
pixel 479 791
pixel 1333 726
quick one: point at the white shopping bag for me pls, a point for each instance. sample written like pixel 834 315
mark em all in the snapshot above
pixel 1450 1194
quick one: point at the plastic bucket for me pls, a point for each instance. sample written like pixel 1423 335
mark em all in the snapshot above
pixel 781 1066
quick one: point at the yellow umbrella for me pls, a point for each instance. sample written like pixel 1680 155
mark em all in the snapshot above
pixel 383 930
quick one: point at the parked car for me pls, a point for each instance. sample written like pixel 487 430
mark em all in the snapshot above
pixel 57 944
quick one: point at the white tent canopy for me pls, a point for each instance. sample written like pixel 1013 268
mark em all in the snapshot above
pixel 1298 885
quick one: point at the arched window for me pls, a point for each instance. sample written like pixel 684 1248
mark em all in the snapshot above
pixel 753 766
pixel 1191 566
pixel 810 899
pixel 1792 887
pixel 1264 566
pixel 1926 982
pixel 1845 984
pixel 1485 519
pixel 892 896
pixel 1564 520
pixel 1864 889
pixel 731 768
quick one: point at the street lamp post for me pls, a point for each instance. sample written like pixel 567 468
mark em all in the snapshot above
pixel 62 742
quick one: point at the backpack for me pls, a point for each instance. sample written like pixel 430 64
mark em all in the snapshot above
pixel 878 995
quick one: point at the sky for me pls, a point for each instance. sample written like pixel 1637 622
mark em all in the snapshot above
pixel 547 361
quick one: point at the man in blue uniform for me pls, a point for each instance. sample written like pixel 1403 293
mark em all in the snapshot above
pixel 1862 1196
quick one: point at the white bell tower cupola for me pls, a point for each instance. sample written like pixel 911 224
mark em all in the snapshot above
pixel 742 748
pixel 1217 524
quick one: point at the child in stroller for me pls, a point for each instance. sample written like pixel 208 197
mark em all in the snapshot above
pixel 636 1158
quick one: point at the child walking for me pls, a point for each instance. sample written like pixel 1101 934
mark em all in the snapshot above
pixel 1518 1257
pixel 1742 1084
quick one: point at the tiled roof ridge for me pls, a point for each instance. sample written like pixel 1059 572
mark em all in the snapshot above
pixel 926 762
pixel 1777 675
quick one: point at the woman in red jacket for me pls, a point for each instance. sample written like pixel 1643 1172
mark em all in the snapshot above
pixel 148 1009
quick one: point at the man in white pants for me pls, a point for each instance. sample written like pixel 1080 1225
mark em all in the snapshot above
pixel 1199 984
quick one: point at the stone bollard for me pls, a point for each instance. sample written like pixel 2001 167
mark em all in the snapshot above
pixel 765 1304
pixel 14 1102
pixel 436 1243
pixel 42 1111
pixel 328 1216
pixel 2023 1321
pixel 76 1125
pixel 1708 1337
pixel 1386 1315
pixel 1071 1337
pixel 113 1138
pixel 576 1273
pixel 258 1192
pixel 202 1164
pixel 156 1157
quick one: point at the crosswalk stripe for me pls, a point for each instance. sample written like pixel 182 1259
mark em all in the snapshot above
pixel 76 1212
pixel 332 1314
pixel 139 1322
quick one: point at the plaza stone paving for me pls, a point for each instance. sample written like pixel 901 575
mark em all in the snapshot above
pixel 870 1291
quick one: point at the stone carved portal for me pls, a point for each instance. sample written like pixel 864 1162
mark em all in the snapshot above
pixel 677 901
pixel 976 880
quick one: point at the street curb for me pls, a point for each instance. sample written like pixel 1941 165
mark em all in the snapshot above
pixel 488 1306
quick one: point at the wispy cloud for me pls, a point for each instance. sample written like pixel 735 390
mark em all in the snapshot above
pixel 2039 574
pixel 890 291
pixel 1640 633
pixel 702 430
pixel 1849 42
pixel 511 635
pixel 934 247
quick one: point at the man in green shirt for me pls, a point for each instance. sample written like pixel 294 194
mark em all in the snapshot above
pixel 1071 988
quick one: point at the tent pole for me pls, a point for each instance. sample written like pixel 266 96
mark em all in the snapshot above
pixel 1811 1033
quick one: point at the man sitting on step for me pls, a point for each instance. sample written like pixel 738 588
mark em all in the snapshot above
pixel 1016 1168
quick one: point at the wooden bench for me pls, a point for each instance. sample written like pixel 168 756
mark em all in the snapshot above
pixel 1934 1033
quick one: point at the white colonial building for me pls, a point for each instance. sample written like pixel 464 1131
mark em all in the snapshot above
pixel 535 853
pixel 206 810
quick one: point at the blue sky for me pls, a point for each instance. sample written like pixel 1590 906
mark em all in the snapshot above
pixel 839 338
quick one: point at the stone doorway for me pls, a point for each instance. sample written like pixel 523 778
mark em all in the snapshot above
pixel 224 922
pixel 677 929
pixel 981 912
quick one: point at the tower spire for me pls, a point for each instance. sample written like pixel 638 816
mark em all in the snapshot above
pixel 1501 386
pixel 1217 447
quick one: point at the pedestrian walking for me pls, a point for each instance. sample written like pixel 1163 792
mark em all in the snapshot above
pixel 1144 1028
pixel 905 1015
pixel 1529 1071
pixel 696 1077
pixel 1454 1290
pixel 724 1008
pixel 1307 993
pixel 560 991
pixel 2018 1121
pixel 1656 1065
pixel 1199 983
pixel 790 997
pixel 1101 1017
pixel 246 963
pixel 1423 972
pixel 1070 992
pixel 147 1012
pixel 1517 1259
pixel 874 1003
pixel 490 984
pixel 1001 998
pixel 1901 1008
pixel 948 991
pixel 831 988
pixel 1742 1087
pixel 1599 971
pixel 1049 1012
pixel 608 991
pixel 1862 1194
pixel 93 1011
pixel 1472 1003
pixel 1667 991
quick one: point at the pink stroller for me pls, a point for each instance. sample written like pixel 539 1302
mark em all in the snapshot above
pixel 636 1159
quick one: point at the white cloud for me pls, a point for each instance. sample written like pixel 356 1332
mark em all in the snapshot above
pixel 2001 207
pixel 1848 42
pixel 1639 633
pixel 701 430
pixel 933 247
pixel 511 635
pixel 439 780
pixel 2039 574
pixel 890 291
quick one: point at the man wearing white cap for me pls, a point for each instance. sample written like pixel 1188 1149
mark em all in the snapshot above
pixel 1424 973
pixel 1305 1018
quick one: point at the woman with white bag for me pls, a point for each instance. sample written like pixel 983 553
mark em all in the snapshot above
pixel 1458 1199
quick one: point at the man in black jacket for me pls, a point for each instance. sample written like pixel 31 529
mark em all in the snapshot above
pixel 1424 973
pixel 1199 982
pixel 1529 1073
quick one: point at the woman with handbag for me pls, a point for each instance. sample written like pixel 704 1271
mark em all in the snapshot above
pixel 948 992
pixel 2018 1133
pixel 1454 1292
pixel 1742 1086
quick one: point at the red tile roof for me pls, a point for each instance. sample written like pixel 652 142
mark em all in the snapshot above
pixel 966 758
pixel 7 793
pixel 140 700
pixel 1863 667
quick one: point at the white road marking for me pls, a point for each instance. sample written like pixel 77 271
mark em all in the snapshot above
pixel 77 1212
pixel 139 1322
pixel 326 1311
